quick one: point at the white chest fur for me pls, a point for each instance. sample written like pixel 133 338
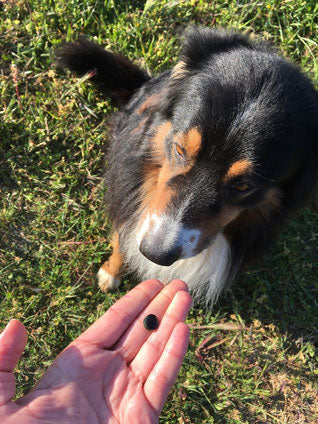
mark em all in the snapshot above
pixel 205 273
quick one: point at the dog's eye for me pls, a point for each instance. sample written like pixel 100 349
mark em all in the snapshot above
pixel 179 150
pixel 240 187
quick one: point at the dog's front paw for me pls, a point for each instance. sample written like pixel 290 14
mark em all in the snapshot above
pixel 106 281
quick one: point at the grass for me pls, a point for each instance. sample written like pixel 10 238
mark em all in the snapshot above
pixel 255 359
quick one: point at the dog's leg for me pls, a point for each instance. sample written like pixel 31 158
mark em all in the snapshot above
pixel 110 272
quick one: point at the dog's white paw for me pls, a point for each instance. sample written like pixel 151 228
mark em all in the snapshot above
pixel 106 281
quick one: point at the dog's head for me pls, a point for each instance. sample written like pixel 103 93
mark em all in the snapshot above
pixel 236 133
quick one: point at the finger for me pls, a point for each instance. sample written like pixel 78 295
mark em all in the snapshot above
pixel 110 327
pixel 136 335
pixel 12 344
pixel 164 374
pixel 152 349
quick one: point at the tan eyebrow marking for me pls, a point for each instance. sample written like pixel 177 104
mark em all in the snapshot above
pixel 193 142
pixel 238 168
pixel 190 141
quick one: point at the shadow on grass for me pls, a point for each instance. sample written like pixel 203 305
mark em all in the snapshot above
pixel 283 288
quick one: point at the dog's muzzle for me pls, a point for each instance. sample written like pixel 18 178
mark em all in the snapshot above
pixel 163 240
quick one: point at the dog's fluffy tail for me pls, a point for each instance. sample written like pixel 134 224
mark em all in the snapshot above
pixel 116 75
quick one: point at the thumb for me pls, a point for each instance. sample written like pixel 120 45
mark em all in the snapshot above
pixel 12 344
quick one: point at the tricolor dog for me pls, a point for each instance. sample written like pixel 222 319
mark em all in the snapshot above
pixel 207 161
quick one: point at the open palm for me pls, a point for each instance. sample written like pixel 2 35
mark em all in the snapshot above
pixel 115 372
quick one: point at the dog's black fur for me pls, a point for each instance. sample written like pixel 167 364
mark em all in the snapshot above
pixel 220 151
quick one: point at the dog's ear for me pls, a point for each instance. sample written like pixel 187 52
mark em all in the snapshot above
pixel 200 44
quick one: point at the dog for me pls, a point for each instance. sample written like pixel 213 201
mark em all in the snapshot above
pixel 207 161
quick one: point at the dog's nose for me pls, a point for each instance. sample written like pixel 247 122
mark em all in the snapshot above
pixel 156 254
pixel 163 240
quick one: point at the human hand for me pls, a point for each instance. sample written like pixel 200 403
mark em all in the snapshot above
pixel 114 372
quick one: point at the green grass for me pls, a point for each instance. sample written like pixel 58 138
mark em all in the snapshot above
pixel 261 365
